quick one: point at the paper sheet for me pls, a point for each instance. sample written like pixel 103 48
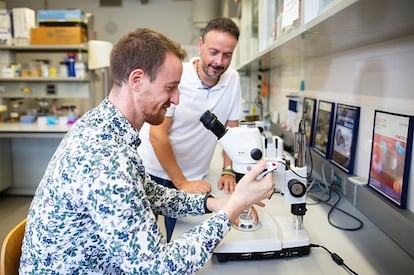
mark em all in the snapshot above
pixel 290 12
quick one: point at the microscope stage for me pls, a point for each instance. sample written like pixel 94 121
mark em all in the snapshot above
pixel 276 238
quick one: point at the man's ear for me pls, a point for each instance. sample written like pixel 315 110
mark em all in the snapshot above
pixel 135 79
pixel 200 44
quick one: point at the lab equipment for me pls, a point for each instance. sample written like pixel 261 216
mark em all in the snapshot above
pixel 277 236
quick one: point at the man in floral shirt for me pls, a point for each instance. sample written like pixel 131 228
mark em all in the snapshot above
pixel 93 211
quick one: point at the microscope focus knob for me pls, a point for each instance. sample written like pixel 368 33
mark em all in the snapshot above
pixel 256 154
pixel 296 188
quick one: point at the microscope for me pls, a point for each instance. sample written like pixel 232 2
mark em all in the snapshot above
pixel 275 237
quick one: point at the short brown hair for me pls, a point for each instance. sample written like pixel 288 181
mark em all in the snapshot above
pixel 223 24
pixel 144 49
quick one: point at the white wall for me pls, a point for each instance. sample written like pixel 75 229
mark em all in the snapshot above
pixel 380 77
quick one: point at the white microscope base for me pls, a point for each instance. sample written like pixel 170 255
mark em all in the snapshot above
pixel 275 239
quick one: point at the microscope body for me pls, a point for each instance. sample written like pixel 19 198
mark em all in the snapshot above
pixel 245 145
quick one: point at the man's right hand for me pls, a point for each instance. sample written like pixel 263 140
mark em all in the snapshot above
pixel 249 191
pixel 195 186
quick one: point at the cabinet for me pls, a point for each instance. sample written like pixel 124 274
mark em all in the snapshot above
pixel 77 91
pixel 344 35
pixel 340 26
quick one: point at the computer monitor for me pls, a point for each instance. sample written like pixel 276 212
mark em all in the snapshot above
pixel 392 140
pixel 322 138
pixel 308 117
pixel 345 136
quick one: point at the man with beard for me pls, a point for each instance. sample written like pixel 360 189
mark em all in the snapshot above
pixel 182 149
pixel 93 211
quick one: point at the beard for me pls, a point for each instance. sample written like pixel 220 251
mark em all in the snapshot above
pixel 214 75
pixel 154 117
pixel 155 120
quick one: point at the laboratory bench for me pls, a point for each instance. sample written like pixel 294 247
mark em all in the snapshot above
pixel 25 151
pixel 366 251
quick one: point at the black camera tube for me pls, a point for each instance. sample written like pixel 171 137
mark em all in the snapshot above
pixel 211 122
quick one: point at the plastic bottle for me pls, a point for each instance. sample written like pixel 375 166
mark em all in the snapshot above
pixel 71 64
pixel 52 71
pixel 80 69
pixel 72 114
pixel 63 69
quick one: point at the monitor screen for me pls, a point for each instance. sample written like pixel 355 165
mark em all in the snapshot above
pixel 345 136
pixel 391 155
pixel 308 117
pixel 322 137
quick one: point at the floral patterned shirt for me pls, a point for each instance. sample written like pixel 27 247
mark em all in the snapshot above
pixel 93 211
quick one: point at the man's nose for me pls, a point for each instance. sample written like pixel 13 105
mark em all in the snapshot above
pixel 175 97
pixel 219 60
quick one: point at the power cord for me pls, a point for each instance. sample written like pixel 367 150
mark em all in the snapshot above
pixel 335 207
pixel 310 161
pixel 336 258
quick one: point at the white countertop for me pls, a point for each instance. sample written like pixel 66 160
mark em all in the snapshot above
pixel 32 127
pixel 32 130
pixel 366 251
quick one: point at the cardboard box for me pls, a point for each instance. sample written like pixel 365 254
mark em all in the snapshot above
pixel 58 36
pixel 23 20
pixel 68 15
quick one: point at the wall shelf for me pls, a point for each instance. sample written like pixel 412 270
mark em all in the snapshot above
pixel 346 25
pixel 45 48
pixel 63 88
pixel 43 79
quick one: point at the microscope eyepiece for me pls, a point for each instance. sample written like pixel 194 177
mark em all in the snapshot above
pixel 211 122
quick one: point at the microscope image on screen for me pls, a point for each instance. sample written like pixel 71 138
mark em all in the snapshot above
pixel 323 126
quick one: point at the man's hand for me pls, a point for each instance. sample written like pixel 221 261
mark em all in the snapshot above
pixel 253 213
pixel 227 183
pixel 195 186
pixel 249 191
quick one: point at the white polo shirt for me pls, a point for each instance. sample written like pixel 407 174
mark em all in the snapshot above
pixel 192 143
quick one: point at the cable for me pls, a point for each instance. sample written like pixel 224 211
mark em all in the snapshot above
pixel 335 207
pixel 325 181
pixel 336 258
pixel 331 188
pixel 310 161
pixel 293 171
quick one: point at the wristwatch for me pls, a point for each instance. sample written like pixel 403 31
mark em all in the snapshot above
pixel 206 210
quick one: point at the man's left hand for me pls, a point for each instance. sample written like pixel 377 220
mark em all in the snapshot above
pixel 227 183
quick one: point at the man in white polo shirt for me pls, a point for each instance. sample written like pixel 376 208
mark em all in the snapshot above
pixel 179 151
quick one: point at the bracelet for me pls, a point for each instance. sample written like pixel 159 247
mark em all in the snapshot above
pixel 227 170
pixel 230 173
pixel 206 210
